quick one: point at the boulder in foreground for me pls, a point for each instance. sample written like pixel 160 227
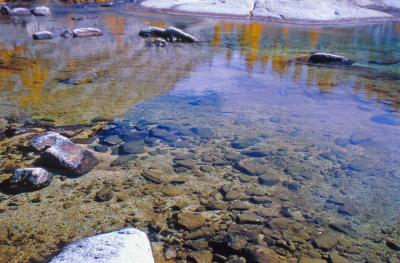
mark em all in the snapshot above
pixel 31 178
pixel 128 245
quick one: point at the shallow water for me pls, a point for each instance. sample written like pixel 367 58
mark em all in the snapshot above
pixel 331 132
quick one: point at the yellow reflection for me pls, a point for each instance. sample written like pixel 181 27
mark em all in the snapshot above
pixel 116 25
pixel 216 40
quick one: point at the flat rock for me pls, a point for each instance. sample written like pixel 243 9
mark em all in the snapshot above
pixel 251 167
pixel 128 245
pixel 69 157
pixel 186 163
pixel 104 194
pixel 131 148
pixel 124 159
pixel 42 35
pixel 155 176
pixel 202 256
pixel 270 178
pixel 244 143
pixel 191 221
pixel 336 258
pixel 32 178
pixel 87 32
pixel 112 140
pixel 250 218
pixel 261 254
pixel 326 241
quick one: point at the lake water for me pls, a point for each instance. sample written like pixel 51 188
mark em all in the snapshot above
pixel 329 134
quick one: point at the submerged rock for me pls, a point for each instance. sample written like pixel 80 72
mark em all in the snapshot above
pixel 171 34
pixel 87 32
pixel 41 11
pixel 42 35
pixel 160 42
pixel 128 245
pixel 31 178
pixel 190 220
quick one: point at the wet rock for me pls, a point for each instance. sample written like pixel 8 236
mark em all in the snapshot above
pixel 262 200
pixel 133 136
pixel 388 119
pixel 69 157
pixel 101 148
pixel 125 246
pixel 170 34
pixel 86 32
pixel 325 58
pixel 5 10
pixel 131 148
pixel 326 241
pixel 260 254
pixel 42 35
pixel 336 258
pixel 206 168
pixel 45 140
pixel 69 130
pixel 232 194
pixel 255 153
pixel 186 163
pixel 112 140
pixel 311 260
pixel 107 4
pixel 123 160
pixel 359 138
pixel 233 157
pixel 203 232
pixel 239 206
pixel 171 191
pixel 251 167
pixel 160 42
pixel 393 244
pixel 155 176
pixel 104 194
pixel 244 143
pixel 348 209
pixel 246 178
pixel 14 131
pixel 341 227
pixel 269 178
pixel 191 221
pixel 293 186
pixel 216 205
pixel 202 132
pixel 250 218
pixel 236 242
pixel 343 142
pixel 203 256
pixel 41 11
pixel 31 178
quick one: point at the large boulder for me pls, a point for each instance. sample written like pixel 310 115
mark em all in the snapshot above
pixel 87 32
pixel 31 178
pixel 70 158
pixel 61 153
pixel 171 34
pixel 41 11
pixel 124 246
pixel 42 35
pixel 45 140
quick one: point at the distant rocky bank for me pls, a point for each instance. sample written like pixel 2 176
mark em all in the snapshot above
pixel 293 11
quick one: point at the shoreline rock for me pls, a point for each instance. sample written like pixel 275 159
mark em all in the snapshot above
pixel 128 245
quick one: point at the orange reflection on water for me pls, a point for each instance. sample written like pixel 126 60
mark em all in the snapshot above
pixel 116 25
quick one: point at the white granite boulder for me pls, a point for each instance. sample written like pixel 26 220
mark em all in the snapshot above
pixel 31 178
pixel 87 32
pixel 128 245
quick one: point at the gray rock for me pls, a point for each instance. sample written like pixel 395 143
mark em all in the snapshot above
pixel 170 34
pixel 42 35
pixel 124 159
pixel 69 157
pixel 359 138
pixel 45 140
pixel 124 246
pixel 270 178
pixel 87 32
pixel 32 178
pixel 112 140
pixel 202 132
pixel 251 167
pixel 41 11
pixel 132 148
pixel 250 218
pixel 325 58
pixel 155 176
pixel 244 143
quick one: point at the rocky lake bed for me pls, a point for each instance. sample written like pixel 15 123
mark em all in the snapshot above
pixel 224 149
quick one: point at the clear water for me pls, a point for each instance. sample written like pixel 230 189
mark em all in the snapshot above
pixel 340 125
